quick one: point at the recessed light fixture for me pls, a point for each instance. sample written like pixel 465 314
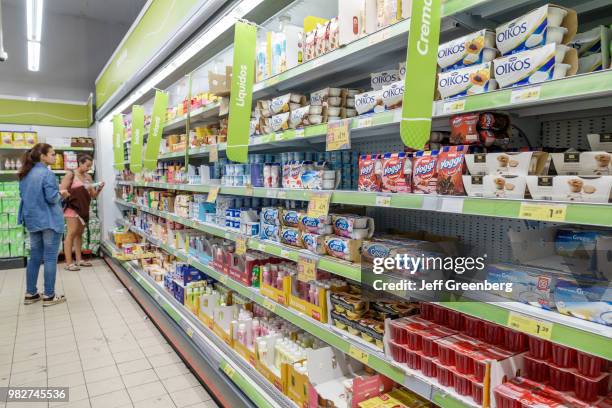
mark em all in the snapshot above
pixel 34 14
pixel 33 55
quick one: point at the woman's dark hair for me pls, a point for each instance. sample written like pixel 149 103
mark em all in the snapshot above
pixel 31 157
pixel 84 158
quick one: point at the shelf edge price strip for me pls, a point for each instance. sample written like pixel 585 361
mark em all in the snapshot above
pixel 229 370
pixel 543 212
pixel 359 354
pixel 529 325
pixel 525 95
pixel 318 206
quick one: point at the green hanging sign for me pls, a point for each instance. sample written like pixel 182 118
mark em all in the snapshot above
pixel 158 119
pixel 241 97
pixel 421 66
pixel 118 142
pixel 137 134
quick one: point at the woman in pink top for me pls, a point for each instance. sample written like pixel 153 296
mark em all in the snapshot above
pixel 75 224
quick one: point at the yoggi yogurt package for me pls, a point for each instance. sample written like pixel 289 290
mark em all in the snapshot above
pixel 535 66
pixel 548 24
pixel 472 49
pixel 396 169
pixel 369 173
pixel 425 172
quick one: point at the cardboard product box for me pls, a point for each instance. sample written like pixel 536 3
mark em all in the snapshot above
pixel 585 300
pixel 280 296
pixel 12 220
pixel 5 251
pixel 222 322
pixel 4 220
pixel 18 139
pixel 16 249
pixel 5 236
pixel 581 189
pixel 16 235
pixel 328 372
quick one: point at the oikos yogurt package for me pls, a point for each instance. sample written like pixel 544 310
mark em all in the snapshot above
pixel 548 24
pixel 381 79
pixel 535 66
pixel 472 80
pixel 472 49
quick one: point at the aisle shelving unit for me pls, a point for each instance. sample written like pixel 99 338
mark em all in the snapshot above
pixel 228 361
pixel 348 65
pixel 572 332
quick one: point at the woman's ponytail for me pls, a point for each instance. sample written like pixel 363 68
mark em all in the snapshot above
pixel 31 157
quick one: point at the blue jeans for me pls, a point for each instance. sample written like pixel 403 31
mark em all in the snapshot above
pixel 44 247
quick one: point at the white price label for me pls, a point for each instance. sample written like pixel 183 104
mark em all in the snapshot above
pixel 299 132
pixel 383 200
pixel 452 205
pixel 364 122
pixel 525 95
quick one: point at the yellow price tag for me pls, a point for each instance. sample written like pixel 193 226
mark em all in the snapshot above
pixel 190 332
pixel 359 355
pixel 318 206
pixel 223 279
pixel 543 212
pixel 338 135
pixel 229 371
pixel 241 245
pixel 270 305
pixel 212 194
pixel 529 325
pixel 383 200
pixel 285 254
pixel 307 268
pixel 248 190
pixel 364 122
pixel 213 153
pixel 454 106
pixel 525 94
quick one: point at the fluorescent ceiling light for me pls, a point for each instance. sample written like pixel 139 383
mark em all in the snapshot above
pixel 227 21
pixel 33 55
pixel 34 9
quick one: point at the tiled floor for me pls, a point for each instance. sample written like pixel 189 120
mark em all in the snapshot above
pixel 99 343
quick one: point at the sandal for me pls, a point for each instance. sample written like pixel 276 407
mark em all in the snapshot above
pixel 85 263
pixel 29 299
pixel 54 300
pixel 72 267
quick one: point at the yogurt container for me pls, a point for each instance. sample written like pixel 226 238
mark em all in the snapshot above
pixel 535 66
pixel 380 79
pixel 369 102
pixel 472 49
pixel 393 95
pixel 472 80
pixel 544 25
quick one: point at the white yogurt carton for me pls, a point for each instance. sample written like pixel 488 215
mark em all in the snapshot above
pixel 384 78
pixel 544 25
pixel 466 81
pixel 369 102
pixel 472 49
pixel 393 95
pixel 535 66
pixel 592 50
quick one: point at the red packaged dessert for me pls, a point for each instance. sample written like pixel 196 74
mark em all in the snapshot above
pixel 536 370
pixel 496 122
pixel 451 164
pixel 425 172
pixel 589 389
pixel 369 173
pixel 563 356
pixel 589 365
pixel 395 173
pixel 561 379
pixel 539 348
pixel 464 129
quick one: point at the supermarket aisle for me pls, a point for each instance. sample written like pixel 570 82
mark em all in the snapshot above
pixel 98 343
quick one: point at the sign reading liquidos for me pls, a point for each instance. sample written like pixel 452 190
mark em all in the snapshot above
pixel 420 82
pixel 158 119
pixel 118 141
pixel 241 97
pixel 137 134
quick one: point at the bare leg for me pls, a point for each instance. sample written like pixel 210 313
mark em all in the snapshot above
pixel 72 225
pixel 78 242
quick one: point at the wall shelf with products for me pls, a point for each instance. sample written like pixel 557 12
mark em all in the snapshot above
pixel 509 181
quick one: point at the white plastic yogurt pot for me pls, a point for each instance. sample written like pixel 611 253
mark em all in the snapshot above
pixel 560 52
pixel 489 39
pixel 555 34
pixel 314 119
pixel 560 71
pixel 315 110
pixel 350 102
pixel 335 91
pixel 333 111
pixel 555 16
pixel 489 54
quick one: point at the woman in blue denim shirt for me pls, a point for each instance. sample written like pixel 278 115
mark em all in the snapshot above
pixel 40 211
